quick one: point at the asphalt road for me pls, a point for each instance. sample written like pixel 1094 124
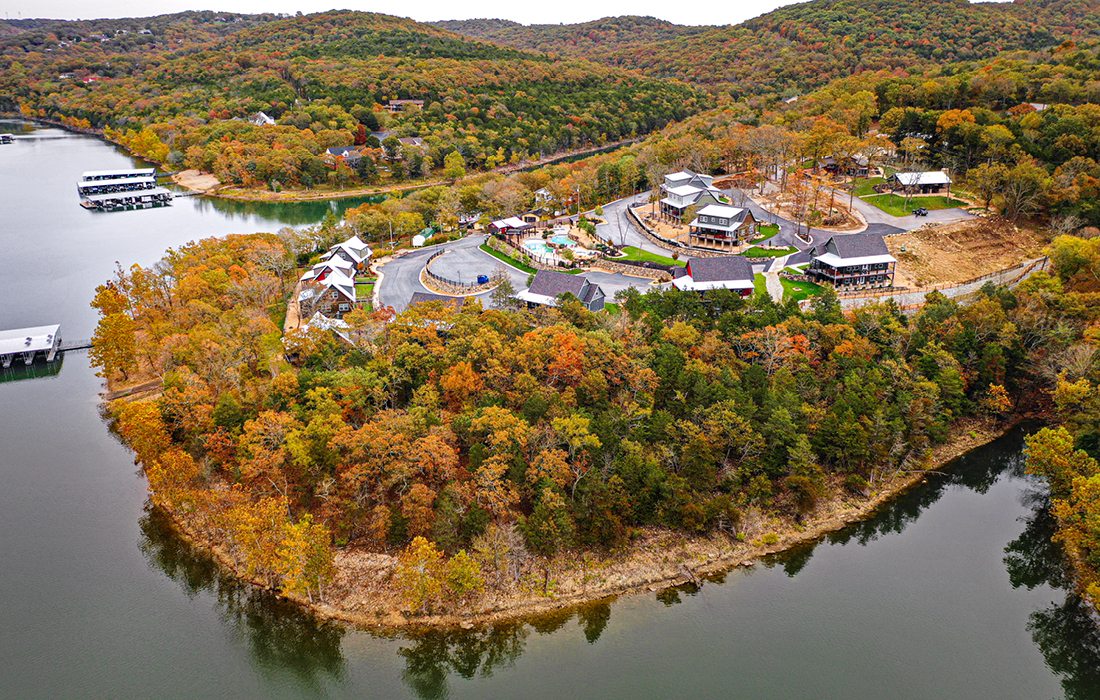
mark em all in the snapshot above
pixel 463 261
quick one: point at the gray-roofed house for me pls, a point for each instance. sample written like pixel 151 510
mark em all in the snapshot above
pixel 726 272
pixel 927 182
pixel 426 297
pixel 857 260
pixel 353 250
pixel 548 286
pixel 347 154
pixel 332 295
pixel 722 225
pixel 686 189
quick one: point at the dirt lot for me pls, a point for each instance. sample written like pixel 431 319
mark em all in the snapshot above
pixel 196 180
pixel 961 251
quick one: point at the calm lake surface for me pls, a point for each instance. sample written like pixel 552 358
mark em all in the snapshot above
pixel 954 591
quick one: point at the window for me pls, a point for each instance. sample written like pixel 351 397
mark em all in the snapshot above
pixel 344 307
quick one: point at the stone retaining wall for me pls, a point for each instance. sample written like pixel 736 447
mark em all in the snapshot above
pixel 442 285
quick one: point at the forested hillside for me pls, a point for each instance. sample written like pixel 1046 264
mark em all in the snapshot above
pixel 596 40
pixel 801 46
pixel 325 78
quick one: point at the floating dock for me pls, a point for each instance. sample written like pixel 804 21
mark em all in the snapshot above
pixel 108 190
pixel 27 343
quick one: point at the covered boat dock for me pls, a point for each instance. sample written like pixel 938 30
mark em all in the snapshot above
pixel 27 343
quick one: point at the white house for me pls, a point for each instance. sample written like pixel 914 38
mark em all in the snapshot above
pixel 925 182
pixel 686 189
pixel 723 224
pixel 726 272
pixel 261 119
pixel 334 263
pixel 353 250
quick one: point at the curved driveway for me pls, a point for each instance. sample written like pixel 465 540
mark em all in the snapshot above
pixel 463 261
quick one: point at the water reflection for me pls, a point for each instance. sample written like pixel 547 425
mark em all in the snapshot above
pixel 1066 633
pixel 288 213
pixel 36 370
pixel 431 658
pixel 976 471
pixel 279 635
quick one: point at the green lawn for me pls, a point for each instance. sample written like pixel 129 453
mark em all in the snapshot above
pixel 895 204
pixel 364 289
pixel 866 186
pixel 760 284
pixel 508 260
pixel 768 252
pixel 521 266
pixel 637 254
pixel 766 231
pixel 612 309
pixel 799 290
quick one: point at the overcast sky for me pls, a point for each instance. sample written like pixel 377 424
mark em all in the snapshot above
pixel 564 11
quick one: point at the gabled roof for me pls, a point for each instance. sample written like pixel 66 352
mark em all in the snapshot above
pixel 724 272
pixel 339 281
pixel 344 151
pixel 424 297
pixel 334 262
pixel 854 249
pixel 553 284
pixel 510 222
pixel 931 177
pixel 685 190
pixel 356 249
pixel 723 211
pixel 720 269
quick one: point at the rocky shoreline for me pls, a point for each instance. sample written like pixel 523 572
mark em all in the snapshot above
pixel 361 596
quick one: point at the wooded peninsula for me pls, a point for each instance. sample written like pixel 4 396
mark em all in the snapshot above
pixel 456 461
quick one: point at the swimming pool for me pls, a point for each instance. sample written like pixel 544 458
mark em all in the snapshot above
pixel 540 247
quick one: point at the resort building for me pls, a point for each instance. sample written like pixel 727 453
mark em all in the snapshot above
pixel 334 264
pixel 857 260
pixel 722 225
pixel 548 287
pixel 726 272
pixel 511 226
pixel 927 182
pixel 353 250
pixel 332 295
pixel 853 166
pixel 686 189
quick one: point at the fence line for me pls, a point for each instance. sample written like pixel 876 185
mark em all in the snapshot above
pixel 1024 269
pixel 455 287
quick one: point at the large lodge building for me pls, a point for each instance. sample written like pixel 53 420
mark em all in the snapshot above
pixel 858 260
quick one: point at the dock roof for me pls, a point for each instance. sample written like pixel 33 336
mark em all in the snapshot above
pixel 35 339
pixel 121 172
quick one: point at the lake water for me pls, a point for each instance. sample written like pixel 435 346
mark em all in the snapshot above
pixel 952 591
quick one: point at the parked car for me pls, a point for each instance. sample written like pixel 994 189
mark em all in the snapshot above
pixel 920 212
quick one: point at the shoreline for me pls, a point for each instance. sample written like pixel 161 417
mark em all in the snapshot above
pixel 207 185
pixel 680 559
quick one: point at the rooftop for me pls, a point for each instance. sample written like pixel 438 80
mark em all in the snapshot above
pixel 35 339
pixel 931 177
